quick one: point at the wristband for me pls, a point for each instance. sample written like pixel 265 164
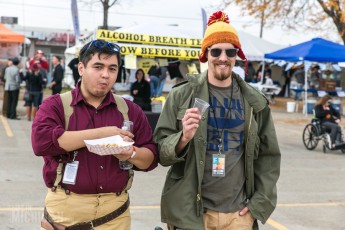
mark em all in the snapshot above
pixel 134 152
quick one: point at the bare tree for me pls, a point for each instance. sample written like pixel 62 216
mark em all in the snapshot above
pixel 106 6
pixel 293 14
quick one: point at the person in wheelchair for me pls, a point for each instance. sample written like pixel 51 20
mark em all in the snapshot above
pixel 330 119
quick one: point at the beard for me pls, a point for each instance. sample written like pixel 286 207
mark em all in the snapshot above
pixel 224 74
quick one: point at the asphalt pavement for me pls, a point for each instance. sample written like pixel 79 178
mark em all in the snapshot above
pixel 311 188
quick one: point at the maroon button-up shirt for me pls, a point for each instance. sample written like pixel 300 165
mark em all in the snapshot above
pixel 96 174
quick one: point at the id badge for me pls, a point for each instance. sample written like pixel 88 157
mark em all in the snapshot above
pixel 70 174
pixel 218 165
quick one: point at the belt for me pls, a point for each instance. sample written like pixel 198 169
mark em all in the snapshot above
pixel 89 225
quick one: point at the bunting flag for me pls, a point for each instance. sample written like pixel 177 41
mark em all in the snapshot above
pixel 75 18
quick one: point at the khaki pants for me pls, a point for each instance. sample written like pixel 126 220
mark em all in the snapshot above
pixel 230 221
pixel 75 208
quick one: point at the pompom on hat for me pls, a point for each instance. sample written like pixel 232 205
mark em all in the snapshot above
pixel 220 31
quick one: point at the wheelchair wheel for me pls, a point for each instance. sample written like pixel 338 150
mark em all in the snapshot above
pixel 310 137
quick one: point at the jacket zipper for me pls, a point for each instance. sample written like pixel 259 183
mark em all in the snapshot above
pixel 198 206
pixel 245 161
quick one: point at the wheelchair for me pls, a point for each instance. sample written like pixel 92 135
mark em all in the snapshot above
pixel 315 132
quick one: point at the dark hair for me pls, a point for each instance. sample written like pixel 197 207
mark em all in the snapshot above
pixel 324 99
pixel 98 47
pixel 15 61
pixel 57 57
pixel 139 70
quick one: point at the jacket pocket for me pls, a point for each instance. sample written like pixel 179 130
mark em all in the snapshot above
pixel 175 174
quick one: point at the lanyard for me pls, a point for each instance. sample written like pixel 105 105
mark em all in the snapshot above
pixel 220 132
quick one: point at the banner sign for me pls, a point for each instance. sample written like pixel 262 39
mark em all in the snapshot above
pixel 112 36
pixel 167 52
pixel 75 17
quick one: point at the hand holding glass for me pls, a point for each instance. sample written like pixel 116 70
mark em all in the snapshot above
pixel 124 164
pixel 201 105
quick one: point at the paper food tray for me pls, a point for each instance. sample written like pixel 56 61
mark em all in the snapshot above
pixel 99 147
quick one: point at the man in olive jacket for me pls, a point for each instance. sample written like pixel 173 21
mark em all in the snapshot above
pixel 225 163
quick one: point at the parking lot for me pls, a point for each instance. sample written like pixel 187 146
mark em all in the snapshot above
pixel 311 188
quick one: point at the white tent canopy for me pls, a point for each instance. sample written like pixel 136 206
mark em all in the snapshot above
pixel 255 48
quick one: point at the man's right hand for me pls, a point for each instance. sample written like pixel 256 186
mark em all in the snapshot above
pixel 190 123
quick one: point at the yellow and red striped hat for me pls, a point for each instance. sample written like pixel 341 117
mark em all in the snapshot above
pixel 220 31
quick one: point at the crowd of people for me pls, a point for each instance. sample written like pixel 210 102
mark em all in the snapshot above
pixel 34 75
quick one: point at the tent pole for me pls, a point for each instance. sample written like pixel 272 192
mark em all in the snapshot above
pixel 262 71
pixel 305 90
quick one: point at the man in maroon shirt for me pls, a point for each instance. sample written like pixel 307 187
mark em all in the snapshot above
pixel 100 185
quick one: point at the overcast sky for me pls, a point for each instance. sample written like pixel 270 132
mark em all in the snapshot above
pixel 187 13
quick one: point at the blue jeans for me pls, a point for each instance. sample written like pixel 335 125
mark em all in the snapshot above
pixel 154 84
pixel 160 88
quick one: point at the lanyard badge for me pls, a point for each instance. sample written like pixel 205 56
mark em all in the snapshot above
pixel 218 165
pixel 70 173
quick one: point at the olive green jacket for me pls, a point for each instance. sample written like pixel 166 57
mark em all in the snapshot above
pixel 181 202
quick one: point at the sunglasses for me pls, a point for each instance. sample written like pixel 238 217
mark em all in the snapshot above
pixel 216 52
pixel 99 44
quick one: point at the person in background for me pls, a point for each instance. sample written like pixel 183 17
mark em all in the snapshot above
pixel 33 79
pixel 141 92
pixel 299 75
pixel 162 79
pixel 42 63
pixel 269 80
pixel 12 86
pixel 73 65
pixel 225 163
pixel 2 82
pixel 2 73
pixel 286 74
pixel 315 77
pixel 39 59
pixel 250 74
pixel 258 76
pixel 122 74
pixel 330 119
pixel 267 71
pixel 91 186
pixel 154 73
pixel 57 76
